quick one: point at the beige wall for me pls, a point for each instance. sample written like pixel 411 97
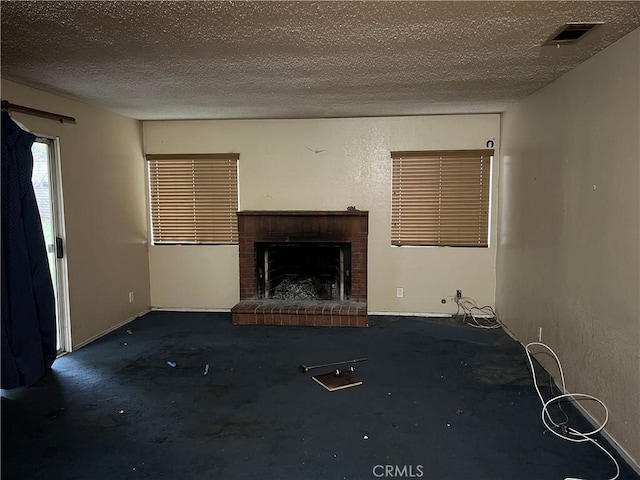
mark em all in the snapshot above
pixel 279 171
pixel 569 230
pixel 105 208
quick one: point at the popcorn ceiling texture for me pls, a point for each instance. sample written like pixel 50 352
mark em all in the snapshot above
pixel 190 60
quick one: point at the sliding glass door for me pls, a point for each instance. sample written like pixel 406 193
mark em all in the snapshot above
pixel 48 190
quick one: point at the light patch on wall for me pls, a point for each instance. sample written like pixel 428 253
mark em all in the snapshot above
pixel 314 150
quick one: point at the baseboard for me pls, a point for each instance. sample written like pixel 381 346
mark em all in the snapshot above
pixel 179 309
pixel 109 330
pixel 391 314
pixel 409 314
pixel 509 332
pixel 594 423
pixel 421 314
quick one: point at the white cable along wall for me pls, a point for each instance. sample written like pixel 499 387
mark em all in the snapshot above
pixel 476 316
pixel 561 429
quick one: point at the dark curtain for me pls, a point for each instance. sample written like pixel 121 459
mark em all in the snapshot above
pixel 28 301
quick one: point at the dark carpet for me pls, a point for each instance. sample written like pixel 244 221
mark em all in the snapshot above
pixel 440 400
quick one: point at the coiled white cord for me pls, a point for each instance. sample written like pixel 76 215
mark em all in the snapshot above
pixel 567 433
pixel 468 306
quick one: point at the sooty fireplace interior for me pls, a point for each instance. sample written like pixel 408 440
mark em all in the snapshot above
pixel 304 271
pixel 302 268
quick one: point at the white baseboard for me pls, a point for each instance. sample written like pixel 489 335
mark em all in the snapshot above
pixel 409 314
pixel 179 309
pixel 421 314
pixel 109 330
pixel 595 424
pixel 394 314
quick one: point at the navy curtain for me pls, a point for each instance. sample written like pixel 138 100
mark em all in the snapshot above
pixel 28 301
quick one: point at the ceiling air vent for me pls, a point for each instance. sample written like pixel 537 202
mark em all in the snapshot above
pixel 571 33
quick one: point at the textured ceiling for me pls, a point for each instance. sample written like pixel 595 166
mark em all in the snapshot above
pixel 188 60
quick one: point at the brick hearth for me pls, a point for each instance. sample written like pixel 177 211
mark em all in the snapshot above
pixel 350 227
pixel 306 313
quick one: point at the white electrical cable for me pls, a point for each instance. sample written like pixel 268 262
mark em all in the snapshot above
pixel 468 306
pixel 567 433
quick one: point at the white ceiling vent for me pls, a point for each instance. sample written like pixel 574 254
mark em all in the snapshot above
pixel 571 33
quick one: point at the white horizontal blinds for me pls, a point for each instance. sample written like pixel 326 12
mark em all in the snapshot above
pixel 194 198
pixel 441 198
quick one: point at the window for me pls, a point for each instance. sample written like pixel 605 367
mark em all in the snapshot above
pixel 441 198
pixel 194 198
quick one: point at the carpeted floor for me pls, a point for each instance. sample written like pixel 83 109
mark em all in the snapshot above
pixel 440 400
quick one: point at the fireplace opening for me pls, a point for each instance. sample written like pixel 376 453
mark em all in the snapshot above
pixel 303 271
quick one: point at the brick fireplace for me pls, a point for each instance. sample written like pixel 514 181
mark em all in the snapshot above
pixel 302 268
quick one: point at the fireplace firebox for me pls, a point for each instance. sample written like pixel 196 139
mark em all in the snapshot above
pixel 302 268
pixel 304 271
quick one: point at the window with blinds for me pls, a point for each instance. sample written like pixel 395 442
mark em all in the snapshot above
pixel 194 198
pixel 441 198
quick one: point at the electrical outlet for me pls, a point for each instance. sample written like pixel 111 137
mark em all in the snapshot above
pixel 130 297
pixel 400 292
pixel 540 334
pixel 458 294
